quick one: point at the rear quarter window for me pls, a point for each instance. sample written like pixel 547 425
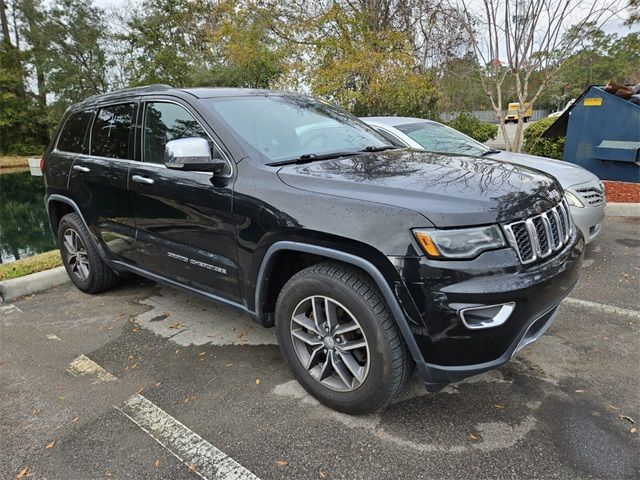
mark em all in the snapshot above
pixel 73 135
pixel 111 135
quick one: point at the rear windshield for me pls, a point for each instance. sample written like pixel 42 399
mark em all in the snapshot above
pixel 283 127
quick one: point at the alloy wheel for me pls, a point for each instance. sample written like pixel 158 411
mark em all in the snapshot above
pixel 330 343
pixel 76 254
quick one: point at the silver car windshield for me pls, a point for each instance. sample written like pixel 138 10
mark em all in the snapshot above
pixel 435 137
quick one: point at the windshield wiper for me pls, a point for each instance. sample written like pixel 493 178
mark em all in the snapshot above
pixel 489 152
pixel 311 157
pixel 371 148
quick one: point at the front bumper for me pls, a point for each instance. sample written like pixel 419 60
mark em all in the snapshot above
pixel 434 292
pixel 589 220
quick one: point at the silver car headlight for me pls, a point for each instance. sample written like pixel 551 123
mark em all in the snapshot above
pixel 573 200
pixel 460 243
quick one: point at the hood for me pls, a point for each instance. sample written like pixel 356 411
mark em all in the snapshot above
pixel 566 173
pixel 449 190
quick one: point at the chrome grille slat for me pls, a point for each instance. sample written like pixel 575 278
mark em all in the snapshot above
pixel 591 195
pixel 539 236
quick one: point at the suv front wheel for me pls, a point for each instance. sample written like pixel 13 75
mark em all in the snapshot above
pixel 339 340
pixel 84 266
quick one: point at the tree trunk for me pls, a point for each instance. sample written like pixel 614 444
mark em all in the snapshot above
pixel 5 23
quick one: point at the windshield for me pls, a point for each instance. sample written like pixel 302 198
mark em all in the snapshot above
pixel 284 127
pixel 436 137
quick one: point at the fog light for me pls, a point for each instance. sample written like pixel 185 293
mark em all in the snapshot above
pixel 486 316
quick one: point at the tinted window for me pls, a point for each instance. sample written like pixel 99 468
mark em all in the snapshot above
pixel 72 137
pixel 164 122
pixel 283 127
pixel 111 131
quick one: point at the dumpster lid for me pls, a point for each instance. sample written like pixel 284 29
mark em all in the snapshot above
pixel 559 127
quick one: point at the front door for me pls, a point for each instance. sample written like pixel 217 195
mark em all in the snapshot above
pixel 185 226
pixel 98 181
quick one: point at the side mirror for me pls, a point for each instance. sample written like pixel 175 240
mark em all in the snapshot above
pixel 191 154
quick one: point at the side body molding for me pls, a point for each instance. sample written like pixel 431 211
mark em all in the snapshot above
pixel 378 278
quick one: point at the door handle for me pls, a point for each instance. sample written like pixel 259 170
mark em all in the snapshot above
pixel 141 179
pixel 80 168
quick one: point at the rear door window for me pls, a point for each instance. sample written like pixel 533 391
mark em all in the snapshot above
pixel 72 137
pixel 112 133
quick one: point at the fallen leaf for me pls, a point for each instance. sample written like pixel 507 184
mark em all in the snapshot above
pixel 50 445
pixel 22 472
pixel 322 474
pixel 134 366
pixel 193 467
pixel 228 364
pixel 131 357
pixel 612 407
pixel 282 463
pixel 75 420
pixel 202 353
pixel 177 350
pixel 175 325
pixel 36 411
pixel 499 405
pixel 633 430
pixel 139 392
pixel 625 417
pixel 157 463
pixel 257 381
pixel 473 437
pixel 134 330
pixel 580 390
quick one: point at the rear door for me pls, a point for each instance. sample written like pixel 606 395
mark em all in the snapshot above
pixel 185 225
pixel 98 180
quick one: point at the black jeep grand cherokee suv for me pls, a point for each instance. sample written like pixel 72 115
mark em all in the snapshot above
pixel 367 258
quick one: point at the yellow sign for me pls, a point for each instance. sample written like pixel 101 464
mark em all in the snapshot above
pixel 593 102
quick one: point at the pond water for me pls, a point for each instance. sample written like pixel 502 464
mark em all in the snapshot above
pixel 24 226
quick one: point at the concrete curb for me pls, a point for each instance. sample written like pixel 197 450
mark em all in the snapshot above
pixel 623 209
pixel 36 282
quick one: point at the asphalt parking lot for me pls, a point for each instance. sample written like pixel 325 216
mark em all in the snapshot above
pixel 146 382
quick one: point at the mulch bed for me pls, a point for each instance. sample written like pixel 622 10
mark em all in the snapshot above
pixel 624 192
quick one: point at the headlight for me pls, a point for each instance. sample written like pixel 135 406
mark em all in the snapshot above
pixel 463 243
pixel 573 200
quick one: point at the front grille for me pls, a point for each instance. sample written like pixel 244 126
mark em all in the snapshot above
pixel 591 195
pixel 538 237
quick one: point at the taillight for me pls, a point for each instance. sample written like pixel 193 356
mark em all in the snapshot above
pixel 42 165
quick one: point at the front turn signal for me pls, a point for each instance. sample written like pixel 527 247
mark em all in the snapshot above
pixel 427 244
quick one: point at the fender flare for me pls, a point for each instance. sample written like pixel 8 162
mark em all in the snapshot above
pixel 392 301
pixel 63 199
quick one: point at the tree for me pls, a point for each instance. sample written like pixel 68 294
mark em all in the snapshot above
pixel 359 55
pixel 520 39
pixel 201 42
pixel 76 61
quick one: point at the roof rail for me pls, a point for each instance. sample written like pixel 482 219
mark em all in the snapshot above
pixel 125 91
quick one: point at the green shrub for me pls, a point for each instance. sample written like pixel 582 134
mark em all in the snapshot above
pixel 470 125
pixel 543 147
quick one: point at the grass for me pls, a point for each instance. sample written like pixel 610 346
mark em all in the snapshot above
pixel 13 161
pixel 33 264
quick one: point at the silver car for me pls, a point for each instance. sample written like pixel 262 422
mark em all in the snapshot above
pixel 583 190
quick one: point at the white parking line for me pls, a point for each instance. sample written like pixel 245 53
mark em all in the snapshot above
pixel 83 365
pixel 188 447
pixel 602 306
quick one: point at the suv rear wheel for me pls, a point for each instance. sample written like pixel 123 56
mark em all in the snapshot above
pixel 339 340
pixel 81 259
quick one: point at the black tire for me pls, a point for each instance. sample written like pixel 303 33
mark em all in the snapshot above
pixel 99 277
pixel 389 363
